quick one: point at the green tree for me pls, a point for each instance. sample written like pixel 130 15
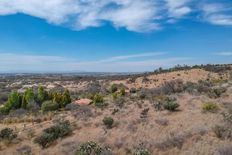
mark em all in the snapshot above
pixel 57 97
pixel 42 95
pixel 14 101
pixel 66 99
pixel 28 96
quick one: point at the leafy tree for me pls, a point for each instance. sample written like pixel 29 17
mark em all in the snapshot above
pixel 42 95
pixel 66 99
pixel 14 100
pixel 57 97
pixel 28 96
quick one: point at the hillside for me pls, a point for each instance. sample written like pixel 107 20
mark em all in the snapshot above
pixel 184 112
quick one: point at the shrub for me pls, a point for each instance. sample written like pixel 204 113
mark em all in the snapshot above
pixel 122 92
pixel 170 105
pixel 98 98
pixel 49 106
pixel 174 86
pixel 7 134
pixel 217 92
pixel 133 90
pixel 113 88
pixel 141 152
pixel 219 131
pixel 92 148
pixel 210 107
pixel 119 102
pixel 66 99
pixel 142 94
pixel 228 117
pixel 115 96
pixel 144 113
pixel 225 149
pixel 4 109
pixel 49 135
pixel 108 121
pixel 101 104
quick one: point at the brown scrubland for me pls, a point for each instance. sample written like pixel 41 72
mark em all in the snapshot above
pixel 180 111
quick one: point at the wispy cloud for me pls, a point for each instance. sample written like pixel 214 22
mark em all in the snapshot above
pixel 128 63
pixel 178 9
pixel 223 54
pixel 217 13
pixel 134 15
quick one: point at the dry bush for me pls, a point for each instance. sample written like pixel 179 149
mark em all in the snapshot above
pixel 83 112
pixel 92 148
pixel 224 150
pixel 24 150
pixel 171 141
pixel 144 113
pixel 162 121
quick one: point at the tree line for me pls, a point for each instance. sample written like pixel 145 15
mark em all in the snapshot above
pixel 31 99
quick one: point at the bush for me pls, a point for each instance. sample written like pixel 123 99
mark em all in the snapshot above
pixel 49 135
pixel 49 106
pixel 101 104
pixel 115 96
pixel 7 134
pixel 170 105
pixel 113 88
pixel 142 94
pixel 98 98
pixel 92 148
pixel 108 122
pixel 217 92
pixel 219 131
pixel 122 92
pixel 133 90
pixel 141 152
pixel 210 107
pixel 66 99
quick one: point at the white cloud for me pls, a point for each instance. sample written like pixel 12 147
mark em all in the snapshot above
pixel 128 63
pixel 178 8
pixel 134 15
pixel 217 14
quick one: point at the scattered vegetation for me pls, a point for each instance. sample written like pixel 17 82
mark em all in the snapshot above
pixel 49 106
pixel 133 90
pixel 210 107
pixel 51 134
pixel 98 98
pixel 113 88
pixel 108 122
pixel 7 134
pixel 92 148
pixel 141 152
pixel 31 99
pixel 170 104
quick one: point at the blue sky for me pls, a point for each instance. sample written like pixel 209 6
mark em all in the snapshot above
pixel 113 35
